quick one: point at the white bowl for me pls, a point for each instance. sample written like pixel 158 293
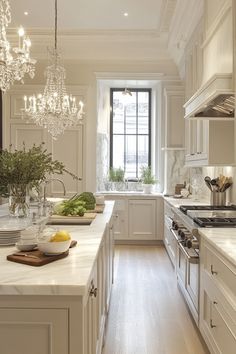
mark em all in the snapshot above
pixel 25 247
pixel 54 247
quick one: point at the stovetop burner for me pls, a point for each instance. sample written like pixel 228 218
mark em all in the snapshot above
pixel 215 222
pixel 185 208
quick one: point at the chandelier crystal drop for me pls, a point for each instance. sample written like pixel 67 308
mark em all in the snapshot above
pixel 13 67
pixel 54 110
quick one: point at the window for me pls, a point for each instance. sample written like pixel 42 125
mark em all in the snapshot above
pixel 130 128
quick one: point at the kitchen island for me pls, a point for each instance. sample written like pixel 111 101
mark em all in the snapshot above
pixel 61 307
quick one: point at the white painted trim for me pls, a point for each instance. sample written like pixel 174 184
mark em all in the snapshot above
pixel 172 149
pixel 215 25
pixel 134 76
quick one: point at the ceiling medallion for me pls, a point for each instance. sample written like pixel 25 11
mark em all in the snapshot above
pixel 13 68
pixel 55 110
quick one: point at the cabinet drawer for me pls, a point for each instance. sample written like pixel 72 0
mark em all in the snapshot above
pixel 219 328
pixel 221 271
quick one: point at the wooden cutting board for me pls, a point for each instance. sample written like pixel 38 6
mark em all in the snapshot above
pixel 99 208
pixel 41 259
pixel 71 220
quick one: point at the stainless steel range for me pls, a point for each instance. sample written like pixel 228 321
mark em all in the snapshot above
pixel 186 222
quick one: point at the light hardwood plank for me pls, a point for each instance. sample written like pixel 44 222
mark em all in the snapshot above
pixel 147 313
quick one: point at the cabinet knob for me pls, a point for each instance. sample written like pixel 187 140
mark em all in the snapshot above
pixel 211 324
pixel 213 272
pixel 215 302
pixel 93 291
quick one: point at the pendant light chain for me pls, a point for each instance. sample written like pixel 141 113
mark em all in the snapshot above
pixel 55 24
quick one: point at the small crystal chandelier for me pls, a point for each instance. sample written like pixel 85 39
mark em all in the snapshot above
pixel 54 110
pixel 13 68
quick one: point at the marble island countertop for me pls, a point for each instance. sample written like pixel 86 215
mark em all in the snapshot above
pixel 223 239
pixel 68 276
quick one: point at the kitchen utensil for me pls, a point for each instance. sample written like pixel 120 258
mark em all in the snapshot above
pixel 208 182
pixel 218 198
pixel 24 255
pixel 226 186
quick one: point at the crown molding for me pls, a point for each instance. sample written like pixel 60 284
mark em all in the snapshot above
pixel 135 76
pixel 45 32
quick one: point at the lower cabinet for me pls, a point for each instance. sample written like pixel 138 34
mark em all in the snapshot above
pixel 142 219
pixel 61 324
pixel 217 301
pixel 137 218
pixel 38 331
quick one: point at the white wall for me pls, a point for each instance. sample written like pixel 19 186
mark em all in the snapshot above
pixel 84 73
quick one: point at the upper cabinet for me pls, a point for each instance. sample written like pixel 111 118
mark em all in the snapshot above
pixel 210 87
pixel 173 116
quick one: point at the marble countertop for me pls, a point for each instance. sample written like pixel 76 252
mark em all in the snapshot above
pixel 130 194
pixel 223 239
pixel 68 276
pixel 176 202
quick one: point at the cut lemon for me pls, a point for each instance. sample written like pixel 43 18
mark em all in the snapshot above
pixel 61 235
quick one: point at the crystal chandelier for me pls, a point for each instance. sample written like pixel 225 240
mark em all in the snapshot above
pixel 54 110
pixel 13 68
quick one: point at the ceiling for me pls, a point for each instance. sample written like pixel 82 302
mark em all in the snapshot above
pixel 98 30
pixel 92 14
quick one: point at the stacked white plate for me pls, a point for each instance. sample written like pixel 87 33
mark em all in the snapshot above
pixel 10 229
pixel 9 237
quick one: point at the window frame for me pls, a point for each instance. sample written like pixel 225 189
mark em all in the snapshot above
pixel 149 91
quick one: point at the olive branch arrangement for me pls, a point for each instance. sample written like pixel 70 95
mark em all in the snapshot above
pixel 31 166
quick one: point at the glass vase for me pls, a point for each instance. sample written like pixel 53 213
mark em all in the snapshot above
pixel 19 200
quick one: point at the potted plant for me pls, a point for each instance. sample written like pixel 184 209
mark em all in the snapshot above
pixel 116 175
pixel 21 170
pixel 147 179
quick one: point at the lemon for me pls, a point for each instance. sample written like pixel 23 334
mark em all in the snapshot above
pixel 61 235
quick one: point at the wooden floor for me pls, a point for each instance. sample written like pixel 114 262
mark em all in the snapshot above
pixel 147 313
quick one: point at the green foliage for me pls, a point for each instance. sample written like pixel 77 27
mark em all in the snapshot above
pixel 116 175
pixel 146 175
pixel 89 200
pixel 70 207
pixel 27 167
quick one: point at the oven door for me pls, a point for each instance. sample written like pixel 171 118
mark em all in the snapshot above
pixel 188 277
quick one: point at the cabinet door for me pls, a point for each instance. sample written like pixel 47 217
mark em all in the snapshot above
pixel 142 219
pixel 91 316
pixel 216 326
pixel 27 331
pixel 121 219
pixel 174 117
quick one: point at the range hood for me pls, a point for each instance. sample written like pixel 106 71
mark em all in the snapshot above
pixel 215 99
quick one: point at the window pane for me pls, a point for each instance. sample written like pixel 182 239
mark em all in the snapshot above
pixel 143 147
pixel 118 123
pixel 118 151
pixel 131 130
pixel 131 126
pixel 143 124
pixel 130 167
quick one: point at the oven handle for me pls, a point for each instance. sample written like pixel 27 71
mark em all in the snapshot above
pixel 191 259
pixel 174 234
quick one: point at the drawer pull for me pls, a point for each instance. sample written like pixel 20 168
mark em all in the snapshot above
pixel 93 291
pixel 213 271
pixel 211 324
pixel 215 302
